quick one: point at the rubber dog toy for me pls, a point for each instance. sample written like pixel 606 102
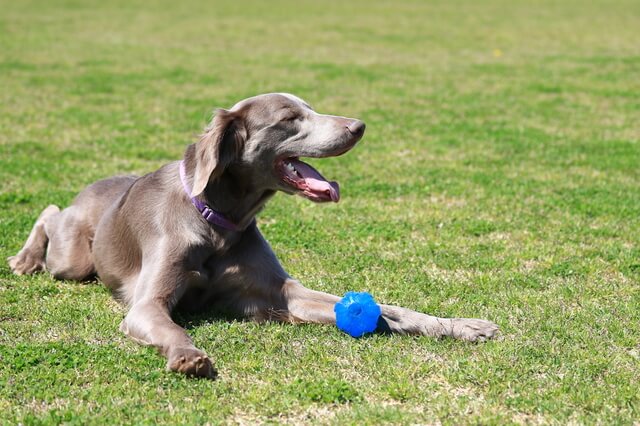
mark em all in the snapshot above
pixel 357 314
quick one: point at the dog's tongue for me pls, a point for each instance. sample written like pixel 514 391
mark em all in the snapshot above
pixel 316 184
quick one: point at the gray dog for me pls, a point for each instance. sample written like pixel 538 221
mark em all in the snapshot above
pixel 186 233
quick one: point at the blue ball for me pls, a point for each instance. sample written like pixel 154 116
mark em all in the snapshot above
pixel 357 314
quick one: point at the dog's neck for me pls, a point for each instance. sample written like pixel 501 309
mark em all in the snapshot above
pixel 230 194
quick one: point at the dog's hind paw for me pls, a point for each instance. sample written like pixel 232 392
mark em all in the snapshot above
pixel 24 263
pixel 473 330
pixel 192 362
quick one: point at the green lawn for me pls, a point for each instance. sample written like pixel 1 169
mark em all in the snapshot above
pixel 499 178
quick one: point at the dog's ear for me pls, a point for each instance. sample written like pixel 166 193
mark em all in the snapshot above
pixel 221 143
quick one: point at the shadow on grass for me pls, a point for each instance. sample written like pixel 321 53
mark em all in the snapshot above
pixel 189 319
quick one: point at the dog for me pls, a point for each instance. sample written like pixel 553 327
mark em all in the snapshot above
pixel 186 235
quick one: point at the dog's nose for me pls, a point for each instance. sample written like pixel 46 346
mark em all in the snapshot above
pixel 356 127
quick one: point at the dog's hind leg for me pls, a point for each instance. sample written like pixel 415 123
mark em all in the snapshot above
pixel 31 258
pixel 69 254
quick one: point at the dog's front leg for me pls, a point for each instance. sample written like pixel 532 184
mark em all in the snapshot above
pixel 305 305
pixel 159 286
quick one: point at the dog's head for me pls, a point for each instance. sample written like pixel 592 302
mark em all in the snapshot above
pixel 262 139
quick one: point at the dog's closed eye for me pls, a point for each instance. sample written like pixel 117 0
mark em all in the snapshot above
pixel 291 116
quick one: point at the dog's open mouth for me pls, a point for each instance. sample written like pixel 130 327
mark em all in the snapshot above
pixel 307 181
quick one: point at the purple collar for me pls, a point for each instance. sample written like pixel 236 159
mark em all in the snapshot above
pixel 211 216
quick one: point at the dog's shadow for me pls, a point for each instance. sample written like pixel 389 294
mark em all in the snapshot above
pixel 190 319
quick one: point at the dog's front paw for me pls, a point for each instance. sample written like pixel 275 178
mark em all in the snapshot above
pixel 192 362
pixel 25 263
pixel 473 330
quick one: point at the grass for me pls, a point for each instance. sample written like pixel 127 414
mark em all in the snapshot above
pixel 498 179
